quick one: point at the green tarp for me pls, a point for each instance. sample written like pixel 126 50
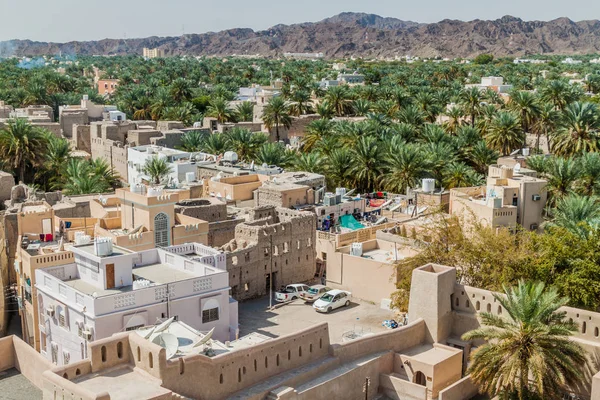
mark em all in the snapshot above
pixel 348 221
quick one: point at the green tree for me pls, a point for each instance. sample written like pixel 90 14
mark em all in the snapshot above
pixel 277 113
pixel 577 213
pixel 193 140
pixel 505 133
pixel 157 169
pixel 483 59
pixel 528 351
pixel 22 144
pixel 579 130
pixel 219 108
pixel 245 143
pixel 404 168
pixel 244 111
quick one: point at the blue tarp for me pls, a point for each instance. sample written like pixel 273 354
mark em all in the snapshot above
pixel 348 221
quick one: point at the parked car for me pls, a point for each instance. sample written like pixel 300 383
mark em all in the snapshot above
pixel 331 300
pixel 291 292
pixel 314 292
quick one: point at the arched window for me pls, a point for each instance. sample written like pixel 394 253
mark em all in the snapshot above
pixel 161 230
pixel 103 353
pixel 419 378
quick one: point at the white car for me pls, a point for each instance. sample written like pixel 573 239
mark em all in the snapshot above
pixel 331 300
pixel 291 292
pixel 314 292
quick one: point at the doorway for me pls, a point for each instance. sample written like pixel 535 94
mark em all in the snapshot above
pixel 110 276
pixel 420 379
pixel 268 284
pixel 46 226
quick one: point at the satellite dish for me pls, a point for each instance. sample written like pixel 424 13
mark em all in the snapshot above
pixel 517 167
pixel 514 153
pixel 205 338
pixel 150 332
pixel 162 327
pixel 168 342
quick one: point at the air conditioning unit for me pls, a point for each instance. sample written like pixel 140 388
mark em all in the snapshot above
pixel 533 227
pixel 87 335
pixel 536 197
pixel 50 311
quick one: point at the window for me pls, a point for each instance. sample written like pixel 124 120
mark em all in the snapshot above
pixel 43 341
pixel 161 230
pixel 210 315
pixel 66 357
pixel 54 348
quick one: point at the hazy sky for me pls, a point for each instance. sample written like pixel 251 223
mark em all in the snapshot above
pixel 65 20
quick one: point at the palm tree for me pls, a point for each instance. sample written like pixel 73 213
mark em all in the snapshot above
pixel 80 178
pixel 579 131
pixel 215 143
pixel 324 110
pixel 309 162
pixel 361 107
pixel 315 132
pixel 157 169
pixel 301 103
pixel 577 213
pixel 545 123
pixel 245 143
pixel 272 154
pixel 457 174
pixel 276 113
pixel 181 90
pixel 528 351
pixel 556 92
pixel 100 167
pixel 23 144
pixel 481 156
pixel 366 165
pixel 589 182
pixel 470 99
pixel 455 115
pixel 219 108
pixel 561 174
pixel 505 133
pixel 338 167
pixel 339 99
pixel 244 111
pixel 404 168
pixel 525 104
pixel 162 100
pixel 193 140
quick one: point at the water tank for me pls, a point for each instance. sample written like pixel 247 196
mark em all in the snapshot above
pixel 495 202
pixel 525 151
pixel 428 185
pixel 230 156
pixel 329 199
pixel 140 283
pixel 340 191
pixel 356 249
pixel 197 124
pixel 81 238
pixel 506 172
pixel 103 246
pixel 190 176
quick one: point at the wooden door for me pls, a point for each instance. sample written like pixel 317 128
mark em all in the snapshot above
pixel 110 276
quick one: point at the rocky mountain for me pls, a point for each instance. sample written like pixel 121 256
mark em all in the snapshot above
pixel 355 34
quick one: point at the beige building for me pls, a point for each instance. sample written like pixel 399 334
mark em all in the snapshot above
pixel 274 247
pixel 509 198
pixel 425 359
pixel 153 53
pixel 234 188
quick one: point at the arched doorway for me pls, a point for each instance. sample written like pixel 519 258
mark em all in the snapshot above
pixel 419 378
pixel 161 230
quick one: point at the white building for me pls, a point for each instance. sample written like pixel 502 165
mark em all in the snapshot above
pixel 351 79
pixel 327 83
pixel 183 164
pixel 110 289
pixel 495 83
pixel 571 61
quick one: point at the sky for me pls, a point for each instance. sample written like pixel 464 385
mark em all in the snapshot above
pixel 66 20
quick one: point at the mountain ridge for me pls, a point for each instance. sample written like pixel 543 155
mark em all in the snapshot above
pixel 354 34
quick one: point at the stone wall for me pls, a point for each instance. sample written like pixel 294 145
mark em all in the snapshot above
pixel 82 138
pixel 7 181
pixel 68 118
pixel 283 246
pixel 204 209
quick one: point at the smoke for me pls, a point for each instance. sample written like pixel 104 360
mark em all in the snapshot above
pixel 7 49
pixel 31 63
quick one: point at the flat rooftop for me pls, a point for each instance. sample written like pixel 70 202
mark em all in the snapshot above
pixel 428 354
pixel 381 255
pixel 89 248
pixel 159 274
pixel 15 386
pixel 123 383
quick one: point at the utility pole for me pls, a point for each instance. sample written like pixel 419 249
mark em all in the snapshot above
pixel 366 387
pixel 271 272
